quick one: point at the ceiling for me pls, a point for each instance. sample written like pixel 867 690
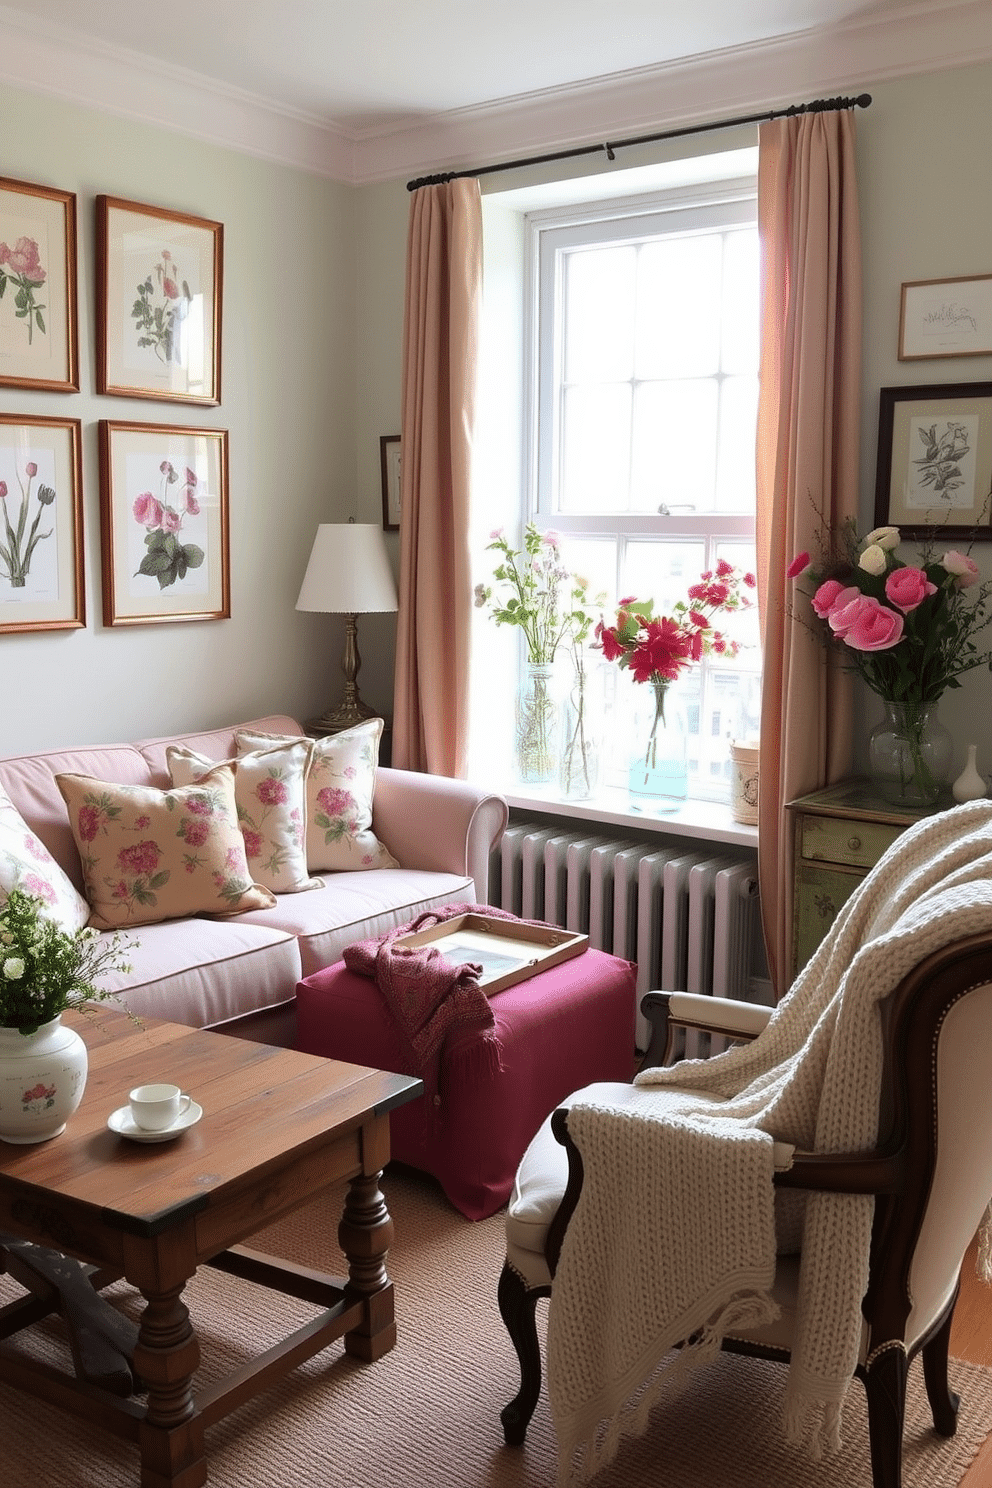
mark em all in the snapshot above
pixel 374 70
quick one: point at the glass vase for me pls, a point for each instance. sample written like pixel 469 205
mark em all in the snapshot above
pixel 580 732
pixel 909 754
pixel 658 776
pixel 536 739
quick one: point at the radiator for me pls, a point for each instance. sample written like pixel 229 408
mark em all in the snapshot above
pixel 688 919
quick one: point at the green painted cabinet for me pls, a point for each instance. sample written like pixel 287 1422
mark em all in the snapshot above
pixel 840 834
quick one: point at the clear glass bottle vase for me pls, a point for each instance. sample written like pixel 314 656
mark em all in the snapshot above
pixel 580 731
pixel 910 753
pixel 658 775
pixel 536 735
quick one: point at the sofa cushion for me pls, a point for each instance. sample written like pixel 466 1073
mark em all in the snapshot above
pixel 355 906
pixel 270 792
pixel 152 855
pixel 340 789
pixel 26 863
pixel 205 972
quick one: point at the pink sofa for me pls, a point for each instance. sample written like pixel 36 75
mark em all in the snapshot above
pixel 240 972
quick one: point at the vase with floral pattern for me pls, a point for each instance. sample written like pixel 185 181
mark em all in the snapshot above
pixel 42 1079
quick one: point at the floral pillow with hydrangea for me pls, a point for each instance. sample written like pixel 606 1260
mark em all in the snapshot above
pixel 26 863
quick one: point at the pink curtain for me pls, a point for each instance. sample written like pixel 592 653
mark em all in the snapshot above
pixel 440 338
pixel 807 470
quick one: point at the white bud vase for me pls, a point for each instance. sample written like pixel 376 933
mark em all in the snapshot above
pixel 970 785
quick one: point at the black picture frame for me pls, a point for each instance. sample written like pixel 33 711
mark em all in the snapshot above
pixel 933 474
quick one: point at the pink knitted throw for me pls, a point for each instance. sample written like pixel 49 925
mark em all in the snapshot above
pixel 430 998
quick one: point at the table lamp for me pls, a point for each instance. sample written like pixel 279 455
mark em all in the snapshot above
pixel 348 574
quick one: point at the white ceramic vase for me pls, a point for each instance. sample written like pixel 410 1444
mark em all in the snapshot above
pixel 42 1079
pixel 970 785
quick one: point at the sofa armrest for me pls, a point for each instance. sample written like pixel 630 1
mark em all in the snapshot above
pixel 434 822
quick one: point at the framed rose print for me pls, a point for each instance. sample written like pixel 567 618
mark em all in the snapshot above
pixel 38 347
pixel 164 522
pixel 41 504
pixel 934 470
pixel 159 290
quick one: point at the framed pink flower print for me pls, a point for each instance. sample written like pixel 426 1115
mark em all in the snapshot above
pixel 159 290
pixel 38 346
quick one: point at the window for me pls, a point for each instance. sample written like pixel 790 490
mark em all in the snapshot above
pixel 643 399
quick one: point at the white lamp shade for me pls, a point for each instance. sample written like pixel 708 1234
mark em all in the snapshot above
pixel 349 571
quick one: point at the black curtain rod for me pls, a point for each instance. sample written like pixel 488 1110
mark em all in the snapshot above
pixel 818 106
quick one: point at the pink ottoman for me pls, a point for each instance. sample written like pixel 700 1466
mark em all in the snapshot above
pixel 559 1030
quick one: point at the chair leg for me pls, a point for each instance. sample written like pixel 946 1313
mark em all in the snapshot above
pixel 885 1387
pixel 943 1400
pixel 518 1306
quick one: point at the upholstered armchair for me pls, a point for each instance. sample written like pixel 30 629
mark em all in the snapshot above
pixel 930 1173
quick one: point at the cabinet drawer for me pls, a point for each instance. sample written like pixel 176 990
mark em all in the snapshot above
pixel 831 839
pixel 820 895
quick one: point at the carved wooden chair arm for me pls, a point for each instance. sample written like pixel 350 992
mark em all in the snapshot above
pixel 666 1012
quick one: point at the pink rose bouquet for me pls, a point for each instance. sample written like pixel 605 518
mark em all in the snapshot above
pixel 908 629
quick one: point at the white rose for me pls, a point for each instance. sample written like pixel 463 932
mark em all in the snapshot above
pixel 873 560
pixel 886 538
pixel 13 968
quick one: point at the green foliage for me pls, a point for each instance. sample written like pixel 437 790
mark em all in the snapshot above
pixel 44 969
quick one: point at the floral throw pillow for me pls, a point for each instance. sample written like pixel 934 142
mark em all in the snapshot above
pixel 340 788
pixel 26 863
pixel 270 793
pixel 152 855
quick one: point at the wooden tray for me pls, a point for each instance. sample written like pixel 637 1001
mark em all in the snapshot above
pixel 509 951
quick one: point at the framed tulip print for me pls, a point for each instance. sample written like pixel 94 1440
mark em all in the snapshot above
pixel 934 472
pixel 163 512
pixel 41 505
pixel 38 346
pixel 159 289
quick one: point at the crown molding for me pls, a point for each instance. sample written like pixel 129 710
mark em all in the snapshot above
pixel 749 79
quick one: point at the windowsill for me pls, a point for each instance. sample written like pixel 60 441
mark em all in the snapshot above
pixel 707 821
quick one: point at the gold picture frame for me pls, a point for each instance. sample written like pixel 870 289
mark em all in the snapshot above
pixel 41 526
pixel 159 298
pixel 164 523
pixel 945 318
pixel 38 338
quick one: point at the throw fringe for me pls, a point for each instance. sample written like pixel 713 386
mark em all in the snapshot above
pixel 671 1377
pixel 983 1262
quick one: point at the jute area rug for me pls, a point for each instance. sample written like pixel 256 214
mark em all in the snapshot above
pixel 427 1415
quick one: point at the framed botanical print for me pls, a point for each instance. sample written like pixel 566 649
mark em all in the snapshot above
pixel 946 318
pixel 934 470
pixel 390 446
pixel 38 347
pixel 41 541
pixel 159 292
pixel 164 520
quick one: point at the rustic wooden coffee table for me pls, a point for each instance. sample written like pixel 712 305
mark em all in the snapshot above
pixel 278 1128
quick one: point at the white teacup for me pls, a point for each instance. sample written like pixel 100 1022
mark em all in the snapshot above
pixel 154 1107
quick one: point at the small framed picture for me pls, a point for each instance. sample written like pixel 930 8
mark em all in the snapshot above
pixel 946 318
pixel 164 518
pixel 38 347
pixel 159 291
pixel 41 524
pixel 934 470
pixel 389 459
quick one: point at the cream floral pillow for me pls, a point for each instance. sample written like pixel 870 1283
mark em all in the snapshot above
pixel 340 787
pixel 26 863
pixel 152 855
pixel 270 793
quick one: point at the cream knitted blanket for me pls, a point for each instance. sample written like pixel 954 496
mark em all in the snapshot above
pixel 674 1236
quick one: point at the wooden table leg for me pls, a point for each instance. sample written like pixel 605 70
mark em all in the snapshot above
pixel 166 1357
pixel 365 1235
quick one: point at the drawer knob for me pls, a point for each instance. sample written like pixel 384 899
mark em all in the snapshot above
pixel 854 842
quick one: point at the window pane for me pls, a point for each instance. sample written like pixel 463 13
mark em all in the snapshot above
pixel 678 307
pixel 735 479
pixel 595 448
pixel 674 446
pixel 599 314
pixel 595 560
pixel 661 571
pixel 739 323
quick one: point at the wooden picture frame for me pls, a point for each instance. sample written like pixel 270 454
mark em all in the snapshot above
pixel 934 470
pixel 41 524
pixel 164 523
pixel 159 299
pixel 508 951
pixel 38 323
pixel 945 318
pixel 389 461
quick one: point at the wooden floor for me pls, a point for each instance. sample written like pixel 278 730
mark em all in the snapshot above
pixel 971 1338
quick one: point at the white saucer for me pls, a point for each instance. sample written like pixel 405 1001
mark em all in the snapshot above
pixel 122 1122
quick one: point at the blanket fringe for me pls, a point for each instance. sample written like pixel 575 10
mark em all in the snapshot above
pixel 983 1262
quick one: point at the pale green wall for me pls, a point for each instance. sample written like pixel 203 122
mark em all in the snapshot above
pixel 288 402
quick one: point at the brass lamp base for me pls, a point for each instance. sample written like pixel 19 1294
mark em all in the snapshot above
pixel 350 710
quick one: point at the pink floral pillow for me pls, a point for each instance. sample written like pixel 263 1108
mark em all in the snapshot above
pixel 270 792
pixel 26 863
pixel 340 787
pixel 152 855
